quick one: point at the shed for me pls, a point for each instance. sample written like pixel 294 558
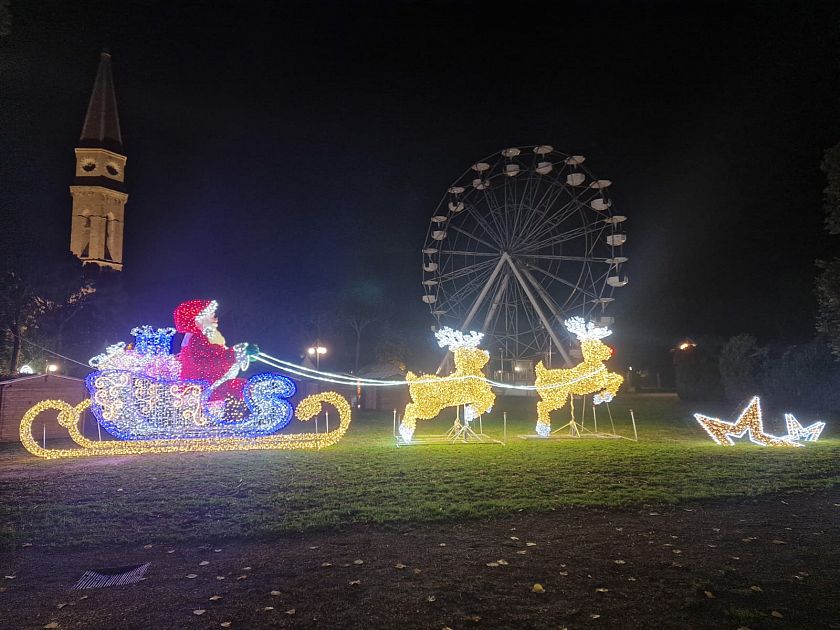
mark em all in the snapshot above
pixel 18 395
pixel 384 398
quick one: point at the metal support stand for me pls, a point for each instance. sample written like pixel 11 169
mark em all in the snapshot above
pixel 461 432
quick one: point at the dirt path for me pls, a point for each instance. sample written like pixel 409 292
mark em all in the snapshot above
pixel 770 563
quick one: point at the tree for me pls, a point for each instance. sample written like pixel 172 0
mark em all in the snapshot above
pixel 359 312
pixel 741 367
pixel 828 281
pixel 696 371
pixel 18 312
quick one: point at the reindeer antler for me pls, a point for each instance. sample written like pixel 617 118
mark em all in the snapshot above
pixel 455 339
pixel 584 330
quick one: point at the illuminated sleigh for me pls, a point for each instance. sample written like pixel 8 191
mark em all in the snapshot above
pixel 136 396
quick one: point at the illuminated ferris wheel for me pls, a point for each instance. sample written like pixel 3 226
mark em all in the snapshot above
pixel 523 240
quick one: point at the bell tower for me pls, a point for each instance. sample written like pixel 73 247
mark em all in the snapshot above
pixel 98 189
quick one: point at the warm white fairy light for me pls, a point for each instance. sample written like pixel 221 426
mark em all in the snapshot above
pixel 588 377
pixel 69 416
pixel 431 394
pixel 749 422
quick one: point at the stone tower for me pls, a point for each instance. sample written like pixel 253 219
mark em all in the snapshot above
pixel 98 188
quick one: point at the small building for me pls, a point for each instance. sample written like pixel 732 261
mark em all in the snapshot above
pixel 17 396
pixel 384 398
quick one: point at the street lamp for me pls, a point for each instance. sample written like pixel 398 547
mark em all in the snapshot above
pixel 316 351
pixel 52 367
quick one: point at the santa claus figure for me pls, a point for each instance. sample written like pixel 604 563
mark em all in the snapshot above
pixel 204 355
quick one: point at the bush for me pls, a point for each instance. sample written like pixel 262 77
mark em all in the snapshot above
pixel 741 367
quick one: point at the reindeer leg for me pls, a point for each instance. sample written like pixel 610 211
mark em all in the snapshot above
pixel 543 418
pixel 409 422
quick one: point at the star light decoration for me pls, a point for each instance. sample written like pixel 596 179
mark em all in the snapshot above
pixel 750 423
pixel 797 432
pixel 467 385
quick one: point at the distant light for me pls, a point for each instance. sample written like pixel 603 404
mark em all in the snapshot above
pixel 685 345
pixel 630 368
pixel 318 349
pixel 516 368
pixel 52 367
pixel 26 369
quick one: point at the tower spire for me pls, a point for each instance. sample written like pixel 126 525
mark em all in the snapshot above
pixel 98 189
pixel 102 122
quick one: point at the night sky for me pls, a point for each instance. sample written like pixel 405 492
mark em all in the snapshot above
pixel 276 150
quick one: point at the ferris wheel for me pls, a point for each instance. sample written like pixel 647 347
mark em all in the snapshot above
pixel 522 240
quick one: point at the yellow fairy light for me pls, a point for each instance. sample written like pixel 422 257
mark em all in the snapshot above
pixel 69 416
pixel 465 386
pixel 589 377
pixel 749 422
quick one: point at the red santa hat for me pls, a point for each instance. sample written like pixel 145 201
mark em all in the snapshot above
pixel 188 312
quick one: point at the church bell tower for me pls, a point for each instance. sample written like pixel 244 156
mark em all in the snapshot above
pixel 98 188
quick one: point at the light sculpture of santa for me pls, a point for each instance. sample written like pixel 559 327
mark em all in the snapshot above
pixel 204 355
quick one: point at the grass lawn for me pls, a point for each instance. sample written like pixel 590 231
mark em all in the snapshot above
pixel 365 479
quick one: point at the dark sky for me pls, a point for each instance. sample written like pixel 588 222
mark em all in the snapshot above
pixel 277 149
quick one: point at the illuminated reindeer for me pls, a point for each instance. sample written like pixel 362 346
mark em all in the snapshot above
pixel 589 377
pixel 465 386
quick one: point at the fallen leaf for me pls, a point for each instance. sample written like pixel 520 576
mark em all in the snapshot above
pixel 502 562
pixel 225 624
pixel 417 571
pixel 242 577
pixel 199 612
pixel 291 611
pixel 492 564
pixel 326 564
pixel 276 593
pixel 601 590
pixel 619 561
pixel 313 547
pixel 220 577
pixel 26 545
pixel 537 588
pixel 246 568
pixel 631 579
pixel 216 550
pixel 677 551
pixel 84 597
pixel 776 614
pixel 399 565
pixel 60 606
pixel 709 594
pixel 756 589
pixel 522 553
pixel 355 582
pixel 473 618
pixel 530 544
pixel 147 546
pixel 431 598
pixel 442 545
pixel 563 573
pixel 203 563
pixel 358 561
pixel 170 551
pixel 778 542
pixel 52 624
pixel 514 537
pixel 269 608
pixel 215 598
pixel 191 576
pixel 10 577
pixel 594 616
